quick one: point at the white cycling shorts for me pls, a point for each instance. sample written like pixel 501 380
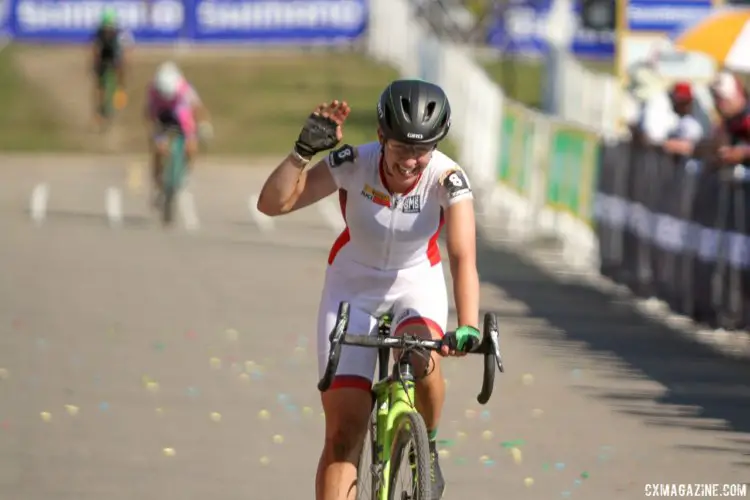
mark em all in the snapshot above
pixel 414 295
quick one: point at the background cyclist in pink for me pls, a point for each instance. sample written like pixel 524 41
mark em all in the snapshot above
pixel 172 102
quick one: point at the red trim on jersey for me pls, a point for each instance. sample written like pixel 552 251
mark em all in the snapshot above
pixel 433 249
pixel 384 181
pixel 351 382
pixel 344 237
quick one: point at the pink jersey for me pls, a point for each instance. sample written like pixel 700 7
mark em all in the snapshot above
pixel 179 109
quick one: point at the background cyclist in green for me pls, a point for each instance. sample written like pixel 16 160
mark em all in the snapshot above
pixel 109 45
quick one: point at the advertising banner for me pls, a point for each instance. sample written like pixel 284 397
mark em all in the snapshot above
pixel 574 159
pixel 230 21
pixel 516 134
pixel 521 27
pixel 278 21
pixel 664 16
pixel 4 11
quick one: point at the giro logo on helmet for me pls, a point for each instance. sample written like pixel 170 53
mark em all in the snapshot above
pixel 414 136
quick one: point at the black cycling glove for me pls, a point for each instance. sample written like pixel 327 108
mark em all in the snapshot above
pixel 318 134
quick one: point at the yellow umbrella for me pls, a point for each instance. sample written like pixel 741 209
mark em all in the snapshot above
pixel 724 35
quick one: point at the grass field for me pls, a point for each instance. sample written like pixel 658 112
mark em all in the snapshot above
pixel 28 119
pixel 258 99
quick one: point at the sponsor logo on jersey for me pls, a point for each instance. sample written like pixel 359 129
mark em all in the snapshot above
pixel 376 196
pixel 412 204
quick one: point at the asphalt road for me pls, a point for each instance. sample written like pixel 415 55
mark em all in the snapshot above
pixel 142 363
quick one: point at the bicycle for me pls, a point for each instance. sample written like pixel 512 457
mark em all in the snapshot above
pixel 395 422
pixel 173 173
pixel 109 84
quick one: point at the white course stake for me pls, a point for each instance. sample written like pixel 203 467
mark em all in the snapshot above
pixel 38 206
pixel 188 211
pixel 113 206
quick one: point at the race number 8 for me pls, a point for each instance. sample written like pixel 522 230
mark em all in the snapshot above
pixel 455 183
pixel 345 154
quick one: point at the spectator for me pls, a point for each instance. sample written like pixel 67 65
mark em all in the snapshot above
pixel 683 137
pixel 647 107
pixel 731 100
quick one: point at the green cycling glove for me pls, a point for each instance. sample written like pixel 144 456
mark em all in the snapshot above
pixel 464 339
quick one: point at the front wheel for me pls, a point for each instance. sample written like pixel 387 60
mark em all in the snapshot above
pixel 109 82
pixel 368 481
pixel 168 201
pixel 410 460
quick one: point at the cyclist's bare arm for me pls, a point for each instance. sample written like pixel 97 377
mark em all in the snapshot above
pixel 462 253
pixel 200 112
pixel 290 188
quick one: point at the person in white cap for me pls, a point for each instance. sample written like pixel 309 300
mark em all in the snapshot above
pixel 731 100
pixel 173 102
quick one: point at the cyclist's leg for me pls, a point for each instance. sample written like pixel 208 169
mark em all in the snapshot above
pixel 118 62
pixel 191 149
pixel 159 148
pixel 348 403
pixel 422 309
pixel 98 74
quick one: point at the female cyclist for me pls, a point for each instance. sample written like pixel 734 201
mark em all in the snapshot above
pixel 396 194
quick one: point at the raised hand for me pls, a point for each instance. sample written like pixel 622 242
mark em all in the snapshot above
pixel 323 128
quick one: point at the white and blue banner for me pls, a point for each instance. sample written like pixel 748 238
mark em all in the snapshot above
pixel 4 15
pixel 665 16
pixel 231 21
pixel 521 26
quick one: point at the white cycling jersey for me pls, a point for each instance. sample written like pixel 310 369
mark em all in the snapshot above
pixel 391 231
pixel 387 258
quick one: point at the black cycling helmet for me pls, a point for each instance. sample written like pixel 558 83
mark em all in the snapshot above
pixel 414 112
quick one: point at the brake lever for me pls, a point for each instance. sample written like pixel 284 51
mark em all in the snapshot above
pixel 495 346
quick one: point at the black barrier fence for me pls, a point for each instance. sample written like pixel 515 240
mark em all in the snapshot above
pixel 676 229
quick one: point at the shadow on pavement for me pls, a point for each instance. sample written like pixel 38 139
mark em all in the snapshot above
pixel 704 390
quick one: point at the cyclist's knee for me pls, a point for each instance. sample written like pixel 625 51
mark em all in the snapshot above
pixel 191 146
pixel 422 328
pixel 347 412
pixel 161 147
pixel 343 444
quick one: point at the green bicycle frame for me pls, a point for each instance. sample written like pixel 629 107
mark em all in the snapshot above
pixel 173 173
pixel 175 168
pixel 393 399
